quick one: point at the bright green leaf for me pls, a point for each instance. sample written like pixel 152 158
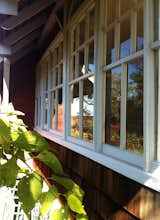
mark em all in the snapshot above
pixel 75 203
pixel 46 200
pixel 81 217
pixel 8 173
pixel 51 160
pixel 29 191
pixel 69 185
pixel 4 131
pixel 60 214
pixel 33 142
pixel 16 113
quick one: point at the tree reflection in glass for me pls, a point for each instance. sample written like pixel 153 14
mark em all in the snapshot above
pixel 134 115
pixel 88 104
pixel 113 100
pixel 74 109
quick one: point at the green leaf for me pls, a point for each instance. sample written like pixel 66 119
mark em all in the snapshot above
pixel 75 203
pixel 46 200
pixel 4 131
pixel 31 141
pixel 29 191
pixel 60 214
pixel 81 217
pixel 51 160
pixel 69 185
pixel 15 113
pixel 8 173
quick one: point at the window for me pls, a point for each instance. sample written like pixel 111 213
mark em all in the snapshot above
pixel 98 87
pixel 81 80
pixel 56 88
pixel 124 77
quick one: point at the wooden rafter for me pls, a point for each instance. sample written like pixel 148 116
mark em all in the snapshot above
pixel 26 14
pixel 50 22
pixel 25 41
pixel 4 50
pixel 25 30
pixel 8 7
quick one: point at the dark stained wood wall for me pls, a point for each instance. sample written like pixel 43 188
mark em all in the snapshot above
pixel 109 195
pixel 22 87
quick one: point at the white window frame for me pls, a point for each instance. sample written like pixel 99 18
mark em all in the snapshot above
pixel 74 23
pixel 141 168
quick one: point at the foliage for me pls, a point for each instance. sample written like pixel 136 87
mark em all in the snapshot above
pixel 17 144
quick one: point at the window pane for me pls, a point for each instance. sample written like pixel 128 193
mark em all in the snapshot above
pixel 53 101
pixel 45 108
pixel 81 63
pixel 111 11
pixel 60 111
pixel 134 116
pixel 91 23
pixel 113 100
pixel 88 104
pixel 82 31
pixel 125 5
pixel 125 39
pixel 140 31
pixel 74 99
pixel 110 58
pixel 61 74
pixel 56 76
pixel 91 67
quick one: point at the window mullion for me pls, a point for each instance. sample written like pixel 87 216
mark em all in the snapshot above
pixel 158 123
pixel 81 109
pixel 148 112
pixel 49 92
pixel 56 109
pixel 133 30
pixel 123 107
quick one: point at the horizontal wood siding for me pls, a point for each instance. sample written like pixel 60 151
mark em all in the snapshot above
pixel 108 195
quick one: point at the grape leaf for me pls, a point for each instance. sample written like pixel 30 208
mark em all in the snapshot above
pixel 75 203
pixel 69 185
pixel 46 200
pixel 81 217
pixel 29 191
pixel 31 141
pixel 60 214
pixel 8 173
pixel 51 160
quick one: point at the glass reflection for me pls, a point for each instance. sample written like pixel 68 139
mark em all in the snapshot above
pixel 111 11
pixel 53 110
pixel 140 29
pixel 81 63
pixel 110 58
pixel 88 104
pixel 60 111
pixel 91 23
pixel 134 116
pixel 82 32
pixel 74 108
pixel 113 100
pixel 125 39
pixel 91 67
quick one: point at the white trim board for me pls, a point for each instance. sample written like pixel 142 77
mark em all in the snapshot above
pixel 145 178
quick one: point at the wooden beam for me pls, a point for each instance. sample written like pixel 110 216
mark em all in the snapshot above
pixel 6 77
pixel 8 7
pixel 4 50
pixel 25 30
pixel 25 41
pixel 22 53
pixel 26 14
pixel 50 22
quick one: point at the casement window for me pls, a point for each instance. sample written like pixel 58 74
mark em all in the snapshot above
pixel 56 87
pixel 124 71
pixel 81 77
pixel 98 87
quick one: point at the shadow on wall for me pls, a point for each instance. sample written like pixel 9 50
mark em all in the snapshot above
pixel 22 87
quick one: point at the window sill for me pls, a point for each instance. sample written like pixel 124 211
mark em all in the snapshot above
pixel 151 180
